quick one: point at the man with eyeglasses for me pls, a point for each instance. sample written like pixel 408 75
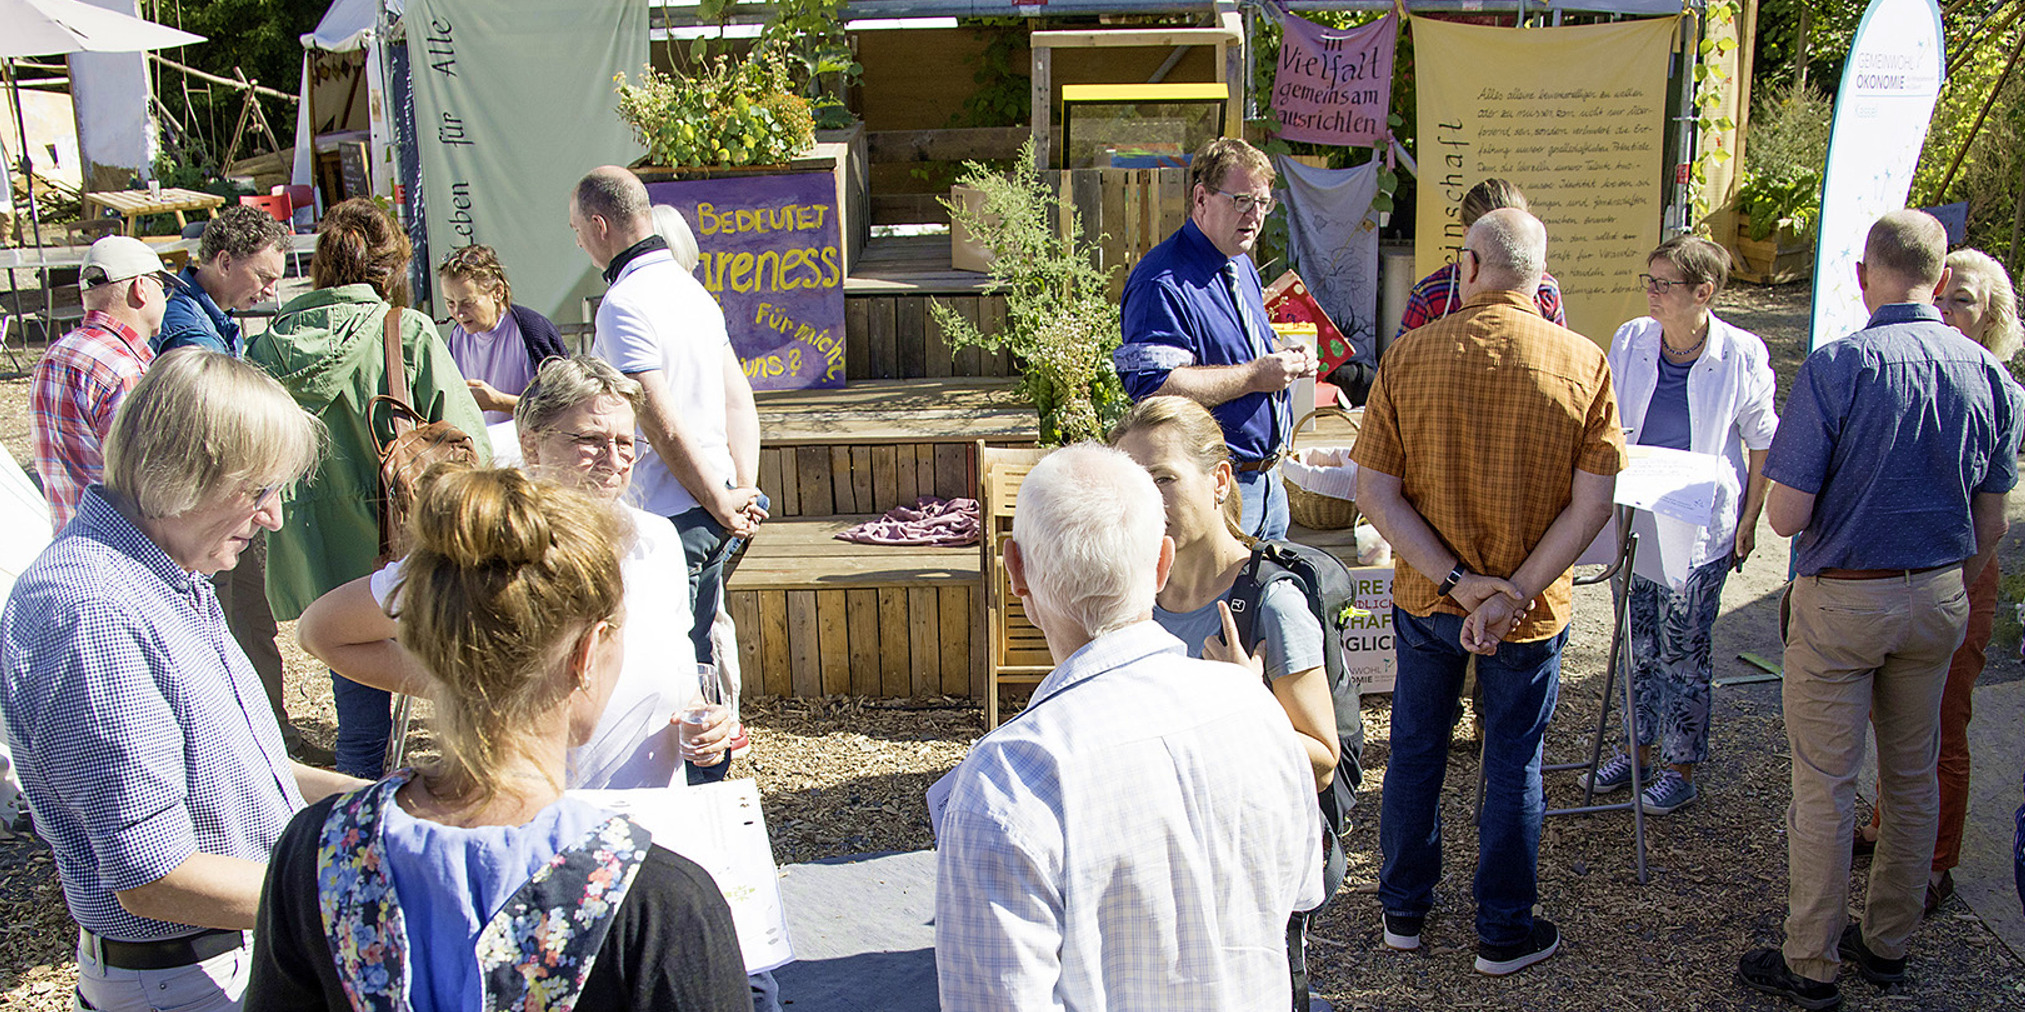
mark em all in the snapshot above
pixel 239 261
pixel 81 379
pixel 1195 325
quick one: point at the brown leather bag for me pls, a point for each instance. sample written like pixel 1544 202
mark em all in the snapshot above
pixel 418 444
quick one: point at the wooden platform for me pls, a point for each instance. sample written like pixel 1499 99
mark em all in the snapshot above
pixel 875 445
pixel 817 616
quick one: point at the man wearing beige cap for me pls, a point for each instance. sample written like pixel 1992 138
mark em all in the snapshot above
pixel 81 380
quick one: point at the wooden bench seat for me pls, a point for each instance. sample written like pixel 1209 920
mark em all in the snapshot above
pixel 817 616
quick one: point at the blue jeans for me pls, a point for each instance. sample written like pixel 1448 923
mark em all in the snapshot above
pixel 708 547
pixel 364 725
pixel 1265 504
pixel 1519 684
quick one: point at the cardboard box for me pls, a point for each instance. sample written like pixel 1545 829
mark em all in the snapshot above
pixel 966 253
pixel 1367 639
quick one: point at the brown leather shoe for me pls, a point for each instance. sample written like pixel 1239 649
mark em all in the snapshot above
pixel 1938 893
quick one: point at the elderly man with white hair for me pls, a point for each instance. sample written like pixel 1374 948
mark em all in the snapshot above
pixel 1138 836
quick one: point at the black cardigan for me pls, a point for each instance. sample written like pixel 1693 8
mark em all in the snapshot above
pixel 671 946
pixel 543 341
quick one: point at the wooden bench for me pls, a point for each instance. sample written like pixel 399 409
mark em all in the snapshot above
pixel 817 616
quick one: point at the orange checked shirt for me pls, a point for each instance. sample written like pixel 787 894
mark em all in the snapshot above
pixel 1484 416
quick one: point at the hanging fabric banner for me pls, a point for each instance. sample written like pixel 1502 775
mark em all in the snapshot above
pixel 1335 245
pixel 513 104
pixel 1334 86
pixel 1895 69
pixel 1577 118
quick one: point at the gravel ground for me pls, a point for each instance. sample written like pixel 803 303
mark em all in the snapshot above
pixel 846 776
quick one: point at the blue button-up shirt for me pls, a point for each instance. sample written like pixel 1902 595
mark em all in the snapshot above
pixel 1893 429
pixel 1178 311
pixel 141 733
pixel 192 319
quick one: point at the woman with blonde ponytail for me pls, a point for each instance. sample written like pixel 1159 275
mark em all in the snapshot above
pixel 440 888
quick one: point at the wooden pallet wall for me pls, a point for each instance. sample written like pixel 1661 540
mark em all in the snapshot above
pixel 867 641
pixel 896 337
pixel 821 481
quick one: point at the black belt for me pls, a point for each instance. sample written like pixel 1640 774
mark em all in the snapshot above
pixel 1252 466
pixel 168 953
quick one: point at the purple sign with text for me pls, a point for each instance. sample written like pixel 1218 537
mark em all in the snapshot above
pixel 772 257
pixel 1334 86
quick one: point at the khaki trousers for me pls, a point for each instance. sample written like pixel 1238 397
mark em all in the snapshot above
pixel 242 595
pixel 1877 652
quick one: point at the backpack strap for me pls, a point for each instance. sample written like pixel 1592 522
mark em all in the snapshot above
pixel 397 369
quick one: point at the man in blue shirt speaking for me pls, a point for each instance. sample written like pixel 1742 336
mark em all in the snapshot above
pixel 239 261
pixel 1195 325
pixel 1889 470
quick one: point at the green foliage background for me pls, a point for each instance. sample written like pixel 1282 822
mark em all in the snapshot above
pixel 259 37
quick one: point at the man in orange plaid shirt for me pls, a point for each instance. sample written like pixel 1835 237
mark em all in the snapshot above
pixel 1488 458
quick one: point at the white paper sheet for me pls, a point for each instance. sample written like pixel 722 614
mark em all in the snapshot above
pixel 1671 483
pixel 720 827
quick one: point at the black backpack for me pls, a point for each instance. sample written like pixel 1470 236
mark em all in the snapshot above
pixel 1332 596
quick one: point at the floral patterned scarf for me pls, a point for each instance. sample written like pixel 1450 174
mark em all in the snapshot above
pixel 535 953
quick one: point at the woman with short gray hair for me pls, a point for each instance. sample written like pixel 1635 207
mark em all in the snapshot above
pixel 119 672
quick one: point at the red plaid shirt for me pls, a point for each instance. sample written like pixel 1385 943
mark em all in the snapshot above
pixel 1440 294
pixel 78 385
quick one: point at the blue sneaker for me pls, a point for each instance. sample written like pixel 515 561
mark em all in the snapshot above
pixel 1614 775
pixel 1669 792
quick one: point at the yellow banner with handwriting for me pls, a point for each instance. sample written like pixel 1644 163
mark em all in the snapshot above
pixel 1577 118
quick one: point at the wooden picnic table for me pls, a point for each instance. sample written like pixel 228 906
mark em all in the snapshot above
pixel 130 205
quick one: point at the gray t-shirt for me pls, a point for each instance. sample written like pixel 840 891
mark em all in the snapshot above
pixel 1287 632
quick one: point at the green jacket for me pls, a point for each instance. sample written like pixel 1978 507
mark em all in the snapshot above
pixel 325 349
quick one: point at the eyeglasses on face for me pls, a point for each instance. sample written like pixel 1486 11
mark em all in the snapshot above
pixel 595 445
pixel 1246 203
pixel 1657 286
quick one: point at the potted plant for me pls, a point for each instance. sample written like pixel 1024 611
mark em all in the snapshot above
pixel 733 113
pixel 1779 192
pixel 1060 320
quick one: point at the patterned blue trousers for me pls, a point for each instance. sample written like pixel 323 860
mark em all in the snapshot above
pixel 1670 644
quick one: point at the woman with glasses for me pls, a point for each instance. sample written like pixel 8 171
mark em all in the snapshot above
pixel 497 343
pixel 1688 381
pixel 326 348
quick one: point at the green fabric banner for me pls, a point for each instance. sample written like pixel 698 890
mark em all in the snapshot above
pixel 513 104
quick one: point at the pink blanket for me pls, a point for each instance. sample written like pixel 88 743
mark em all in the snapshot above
pixel 930 521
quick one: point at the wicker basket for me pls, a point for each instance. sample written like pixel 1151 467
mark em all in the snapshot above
pixel 1314 510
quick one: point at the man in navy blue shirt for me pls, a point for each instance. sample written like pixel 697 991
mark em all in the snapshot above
pixel 1889 470
pixel 238 262
pixel 1195 325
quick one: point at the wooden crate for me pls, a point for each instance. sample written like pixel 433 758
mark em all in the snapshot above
pixel 1774 260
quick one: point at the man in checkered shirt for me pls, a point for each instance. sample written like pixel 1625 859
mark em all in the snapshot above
pixel 1139 835
pixel 1489 453
pixel 82 378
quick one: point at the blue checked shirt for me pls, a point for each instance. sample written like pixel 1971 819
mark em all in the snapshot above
pixel 1138 843
pixel 141 733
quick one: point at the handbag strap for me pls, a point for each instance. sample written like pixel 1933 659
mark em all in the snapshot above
pixel 397 370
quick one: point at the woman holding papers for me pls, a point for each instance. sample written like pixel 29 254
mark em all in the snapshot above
pixel 1688 381
pixel 475 883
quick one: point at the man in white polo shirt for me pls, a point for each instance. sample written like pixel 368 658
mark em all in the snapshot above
pixel 657 324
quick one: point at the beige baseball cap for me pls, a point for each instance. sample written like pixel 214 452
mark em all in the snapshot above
pixel 117 258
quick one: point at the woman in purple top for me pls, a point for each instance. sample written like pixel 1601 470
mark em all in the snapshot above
pixel 1688 381
pixel 497 345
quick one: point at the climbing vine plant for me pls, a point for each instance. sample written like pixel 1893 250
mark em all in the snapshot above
pixel 1714 86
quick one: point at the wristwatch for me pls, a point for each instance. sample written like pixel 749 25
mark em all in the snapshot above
pixel 1454 577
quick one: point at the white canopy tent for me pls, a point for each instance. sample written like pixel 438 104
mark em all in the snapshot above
pixel 349 26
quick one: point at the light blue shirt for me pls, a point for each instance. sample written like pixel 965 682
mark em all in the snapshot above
pixel 1136 838
pixel 1287 633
